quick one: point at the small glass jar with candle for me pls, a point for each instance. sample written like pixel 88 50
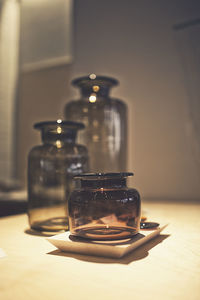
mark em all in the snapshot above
pixel 104 208
pixel 51 167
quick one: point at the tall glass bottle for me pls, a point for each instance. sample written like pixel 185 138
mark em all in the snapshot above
pixel 51 167
pixel 105 121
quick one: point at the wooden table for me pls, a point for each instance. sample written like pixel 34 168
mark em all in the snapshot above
pixel 164 268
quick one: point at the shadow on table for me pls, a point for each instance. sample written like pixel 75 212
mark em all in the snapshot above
pixel 135 255
pixel 39 233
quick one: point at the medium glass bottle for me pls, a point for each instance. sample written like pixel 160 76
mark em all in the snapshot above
pixel 105 121
pixel 104 208
pixel 51 167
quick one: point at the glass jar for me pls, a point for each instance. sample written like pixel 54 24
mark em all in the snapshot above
pixel 51 168
pixel 104 208
pixel 105 121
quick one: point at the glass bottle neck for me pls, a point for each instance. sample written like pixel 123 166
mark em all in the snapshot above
pixel 104 183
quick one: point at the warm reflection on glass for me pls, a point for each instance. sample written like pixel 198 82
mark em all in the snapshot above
pixel 59 129
pixel 51 168
pixel 92 76
pixel 58 144
pixel 92 98
pixel 104 208
pixel 95 88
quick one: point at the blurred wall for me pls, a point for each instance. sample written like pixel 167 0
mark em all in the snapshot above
pixel 46 44
pixel 42 95
pixel 134 41
pixel 9 52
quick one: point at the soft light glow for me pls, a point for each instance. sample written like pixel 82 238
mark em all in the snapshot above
pixel 85 109
pixel 92 98
pixel 59 121
pixel 58 144
pixel 92 76
pixel 95 88
pixel 59 129
pixel 95 138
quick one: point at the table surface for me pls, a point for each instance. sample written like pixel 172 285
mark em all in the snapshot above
pixel 164 268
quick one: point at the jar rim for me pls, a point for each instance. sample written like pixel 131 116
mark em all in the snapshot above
pixel 90 176
pixel 94 80
pixel 61 123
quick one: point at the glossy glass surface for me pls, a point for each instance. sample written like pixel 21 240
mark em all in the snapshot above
pixel 104 208
pixel 51 167
pixel 105 121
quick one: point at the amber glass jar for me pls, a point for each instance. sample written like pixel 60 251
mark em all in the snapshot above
pixel 104 208
pixel 51 168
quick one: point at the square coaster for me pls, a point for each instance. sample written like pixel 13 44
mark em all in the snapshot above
pixel 116 249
